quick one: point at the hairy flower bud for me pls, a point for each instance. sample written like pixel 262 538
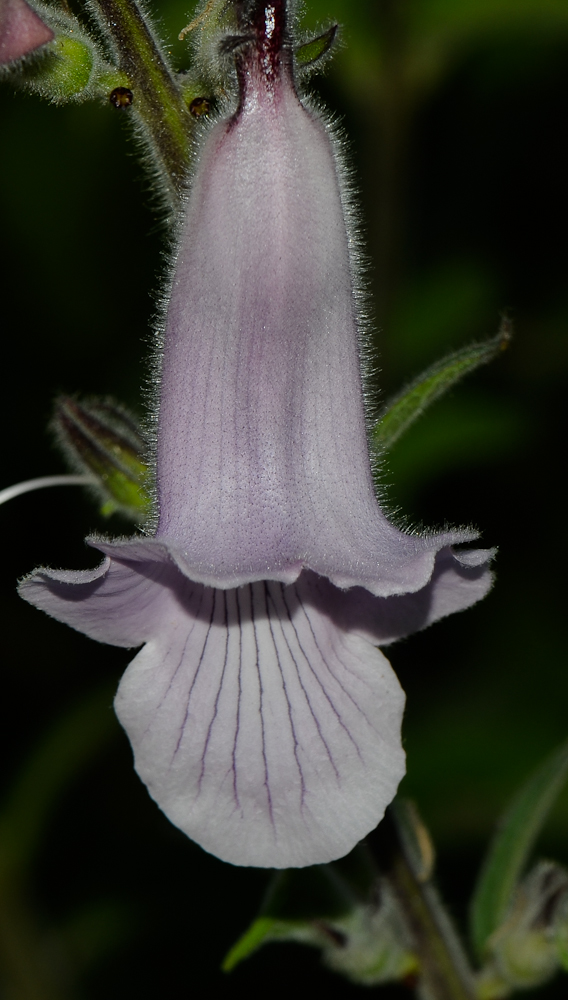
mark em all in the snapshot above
pixel 101 438
pixel 22 31
pixel 529 946
pixel 70 68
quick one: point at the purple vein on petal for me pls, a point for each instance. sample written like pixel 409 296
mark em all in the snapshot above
pixel 181 659
pixel 345 664
pixel 268 596
pixel 318 679
pixel 240 690
pixel 201 658
pixel 223 594
pixel 302 685
pixel 325 661
pixel 261 691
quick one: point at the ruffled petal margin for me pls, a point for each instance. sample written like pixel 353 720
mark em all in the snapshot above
pixel 404 565
pixel 263 719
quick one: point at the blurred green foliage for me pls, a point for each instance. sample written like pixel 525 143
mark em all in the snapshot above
pixel 412 402
pixel 455 111
pixel 512 846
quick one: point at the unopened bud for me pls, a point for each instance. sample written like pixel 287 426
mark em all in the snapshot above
pixel 71 65
pixel 68 68
pixel 22 31
pixel 103 439
pixel 527 949
pixel 121 98
pixel 375 945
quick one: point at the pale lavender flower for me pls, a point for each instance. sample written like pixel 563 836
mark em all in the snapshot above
pixel 22 31
pixel 264 720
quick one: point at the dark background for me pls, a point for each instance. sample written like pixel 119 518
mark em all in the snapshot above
pixel 456 114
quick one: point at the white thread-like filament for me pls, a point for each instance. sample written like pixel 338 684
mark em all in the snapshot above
pixel 28 485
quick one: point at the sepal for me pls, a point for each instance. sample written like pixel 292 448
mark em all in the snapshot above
pixel 67 67
pixel 312 53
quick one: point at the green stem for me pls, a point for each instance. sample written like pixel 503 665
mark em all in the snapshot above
pixel 157 97
pixel 444 970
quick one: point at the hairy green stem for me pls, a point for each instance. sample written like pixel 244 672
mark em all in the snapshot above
pixel 444 970
pixel 158 100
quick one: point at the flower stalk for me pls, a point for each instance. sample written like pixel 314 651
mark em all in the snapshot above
pixel 444 969
pixel 157 97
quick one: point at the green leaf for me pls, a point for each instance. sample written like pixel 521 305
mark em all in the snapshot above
pixel 298 900
pixel 401 412
pixel 316 48
pixel 256 935
pixel 511 846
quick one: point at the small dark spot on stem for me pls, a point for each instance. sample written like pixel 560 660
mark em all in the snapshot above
pixel 199 106
pixel 121 98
